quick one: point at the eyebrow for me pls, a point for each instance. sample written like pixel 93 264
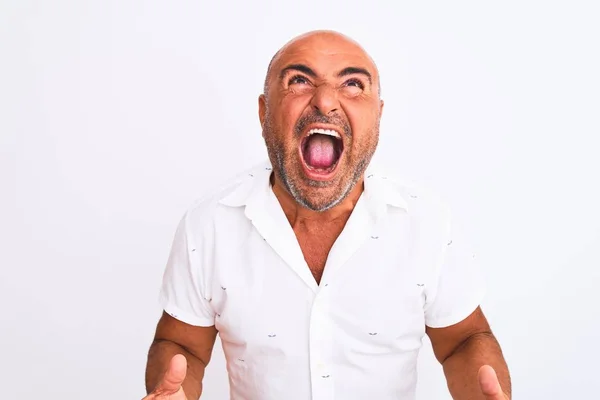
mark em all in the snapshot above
pixel 298 67
pixel 355 70
pixel 308 71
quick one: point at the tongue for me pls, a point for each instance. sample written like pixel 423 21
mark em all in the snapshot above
pixel 320 151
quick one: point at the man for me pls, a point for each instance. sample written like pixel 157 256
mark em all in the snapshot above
pixel 320 274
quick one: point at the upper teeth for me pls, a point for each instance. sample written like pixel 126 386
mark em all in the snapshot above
pixel 328 132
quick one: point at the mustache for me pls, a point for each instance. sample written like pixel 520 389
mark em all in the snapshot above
pixel 318 118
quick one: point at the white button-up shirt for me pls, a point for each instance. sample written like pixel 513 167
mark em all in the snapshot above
pixel 398 265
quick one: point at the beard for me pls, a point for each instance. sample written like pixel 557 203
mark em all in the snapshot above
pixel 318 195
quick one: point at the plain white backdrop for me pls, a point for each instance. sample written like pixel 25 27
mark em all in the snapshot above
pixel 116 115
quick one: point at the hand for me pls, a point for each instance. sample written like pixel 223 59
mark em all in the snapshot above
pixel 489 384
pixel 170 387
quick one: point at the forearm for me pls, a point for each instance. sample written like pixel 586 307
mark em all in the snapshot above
pixel 159 356
pixel 462 366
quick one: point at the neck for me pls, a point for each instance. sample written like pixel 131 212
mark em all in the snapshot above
pixel 296 213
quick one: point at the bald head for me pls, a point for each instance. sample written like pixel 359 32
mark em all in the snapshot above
pixel 325 41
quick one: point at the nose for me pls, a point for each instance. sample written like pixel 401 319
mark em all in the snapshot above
pixel 325 100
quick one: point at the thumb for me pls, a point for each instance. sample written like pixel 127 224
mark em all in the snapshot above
pixel 174 376
pixel 489 384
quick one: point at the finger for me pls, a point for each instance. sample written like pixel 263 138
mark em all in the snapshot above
pixel 489 384
pixel 174 376
pixel 178 395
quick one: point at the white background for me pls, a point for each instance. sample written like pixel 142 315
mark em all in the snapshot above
pixel 116 115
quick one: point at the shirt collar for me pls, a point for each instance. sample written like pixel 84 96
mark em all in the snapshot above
pixel 379 190
pixel 382 189
pixel 248 183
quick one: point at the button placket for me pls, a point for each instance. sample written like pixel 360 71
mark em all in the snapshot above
pixel 320 349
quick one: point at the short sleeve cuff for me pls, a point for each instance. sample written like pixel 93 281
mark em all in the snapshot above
pixel 457 316
pixel 185 316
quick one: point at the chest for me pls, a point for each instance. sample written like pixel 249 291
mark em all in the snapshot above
pixel 262 291
pixel 269 315
pixel 316 245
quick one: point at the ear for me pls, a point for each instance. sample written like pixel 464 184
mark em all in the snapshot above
pixel 380 108
pixel 262 109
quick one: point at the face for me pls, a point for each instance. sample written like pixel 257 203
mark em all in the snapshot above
pixel 320 118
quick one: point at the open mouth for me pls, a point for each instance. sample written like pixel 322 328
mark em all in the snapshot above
pixel 321 149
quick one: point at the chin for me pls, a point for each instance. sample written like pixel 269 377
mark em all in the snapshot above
pixel 320 195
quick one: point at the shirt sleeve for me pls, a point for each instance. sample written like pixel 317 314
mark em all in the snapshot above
pixel 183 290
pixel 459 287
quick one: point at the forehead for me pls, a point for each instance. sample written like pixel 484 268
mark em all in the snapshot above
pixel 324 53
